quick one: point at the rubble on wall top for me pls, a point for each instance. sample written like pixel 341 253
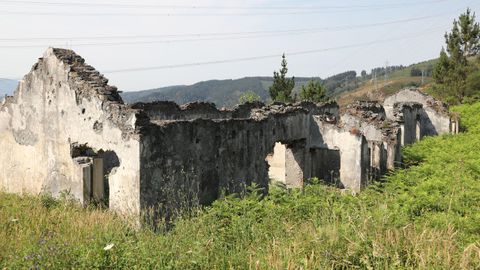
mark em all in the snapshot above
pixel 88 83
pixel 86 77
pixel 370 111
pixel 399 108
pixel 373 113
pixel 276 109
pixel 168 111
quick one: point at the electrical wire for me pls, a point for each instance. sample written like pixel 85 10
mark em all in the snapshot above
pixel 217 34
pixel 294 11
pixel 244 59
pixel 196 7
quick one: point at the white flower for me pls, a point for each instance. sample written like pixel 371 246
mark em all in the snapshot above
pixel 108 247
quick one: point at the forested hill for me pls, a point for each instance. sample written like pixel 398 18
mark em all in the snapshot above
pixel 227 92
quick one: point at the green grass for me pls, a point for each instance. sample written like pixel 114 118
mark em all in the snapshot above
pixel 424 217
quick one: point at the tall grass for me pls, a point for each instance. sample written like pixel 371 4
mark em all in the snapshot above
pixel 423 217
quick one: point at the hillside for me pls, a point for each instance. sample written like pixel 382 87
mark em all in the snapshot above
pixel 345 87
pixel 403 77
pixel 227 92
pixel 425 216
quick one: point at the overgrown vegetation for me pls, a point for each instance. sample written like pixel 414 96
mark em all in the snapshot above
pixel 426 216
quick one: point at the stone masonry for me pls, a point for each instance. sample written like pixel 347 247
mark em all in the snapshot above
pixel 66 130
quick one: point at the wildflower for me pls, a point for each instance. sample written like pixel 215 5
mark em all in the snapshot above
pixel 109 246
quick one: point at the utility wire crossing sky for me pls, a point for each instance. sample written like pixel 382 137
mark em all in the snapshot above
pixel 147 44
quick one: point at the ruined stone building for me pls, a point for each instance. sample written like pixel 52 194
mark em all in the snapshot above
pixel 66 130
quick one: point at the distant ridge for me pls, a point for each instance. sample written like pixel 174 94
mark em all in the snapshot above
pixel 226 93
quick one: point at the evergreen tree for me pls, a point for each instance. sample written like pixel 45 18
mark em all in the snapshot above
pixel 441 69
pixel 468 39
pixel 282 87
pixel 314 91
pixel 452 69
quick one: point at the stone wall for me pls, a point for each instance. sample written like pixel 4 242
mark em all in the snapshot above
pixel 381 134
pixel 67 130
pixel 435 118
pixel 201 158
pixel 63 102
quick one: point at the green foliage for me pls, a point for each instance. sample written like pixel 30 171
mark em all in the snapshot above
pixel 469 117
pixel 249 96
pixel 473 85
pixel 464 39
pixel 313 91
pixel 424 217
pixel 453 67
pixel 282 87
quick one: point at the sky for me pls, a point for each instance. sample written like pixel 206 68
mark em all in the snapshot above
pixel 147 44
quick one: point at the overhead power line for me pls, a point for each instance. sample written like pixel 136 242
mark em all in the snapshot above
pixel 273 11
pixel 196 7
pixel 244 59
pixel 228 35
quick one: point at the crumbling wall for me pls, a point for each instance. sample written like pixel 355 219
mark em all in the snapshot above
pixel 287 164
pixel 170 111
pixel 66 129
pixel 409 116
pixel 61 102
pixel 197 159
pixel 277 163
pixel 435 118
pixel 353 149
pixel 381 134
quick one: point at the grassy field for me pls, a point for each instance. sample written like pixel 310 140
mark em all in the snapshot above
pixel 426 216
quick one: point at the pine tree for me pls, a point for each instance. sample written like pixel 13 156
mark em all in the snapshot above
pixel 469 35
pixel 314 92
pixel 441 69
pixel 452 69
pixel 282 87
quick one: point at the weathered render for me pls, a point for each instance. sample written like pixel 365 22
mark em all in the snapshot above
pixel 67 130
pixel 434 118
pixel 61 106
pixel 383 136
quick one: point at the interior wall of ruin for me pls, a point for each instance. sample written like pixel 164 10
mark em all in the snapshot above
pixel 199 159
pixel 353 148
pixel 411 123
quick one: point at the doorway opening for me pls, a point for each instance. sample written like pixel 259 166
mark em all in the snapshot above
pixel 286 164
pixel 95 168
